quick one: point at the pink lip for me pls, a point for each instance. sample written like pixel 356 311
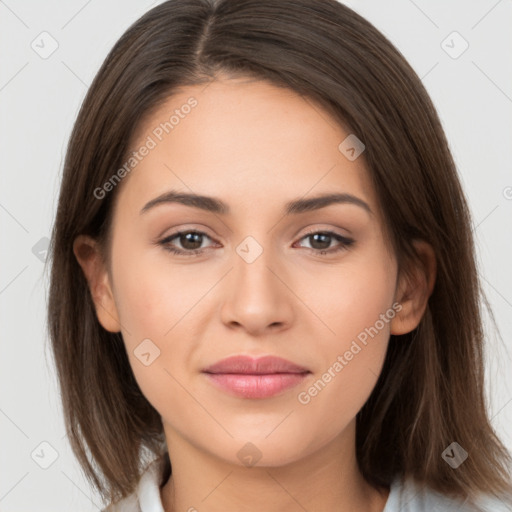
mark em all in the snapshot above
pixel 255 378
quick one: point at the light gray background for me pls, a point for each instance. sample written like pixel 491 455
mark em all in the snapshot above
pixel 39 100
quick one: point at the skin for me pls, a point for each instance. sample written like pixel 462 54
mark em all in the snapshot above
pixel 256 147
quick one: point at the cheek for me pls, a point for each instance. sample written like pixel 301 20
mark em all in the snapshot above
pixel 351 297
pixel 358 310
pixel 153 296
pixel 157 304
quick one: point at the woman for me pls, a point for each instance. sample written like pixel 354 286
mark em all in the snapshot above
pixel 263 291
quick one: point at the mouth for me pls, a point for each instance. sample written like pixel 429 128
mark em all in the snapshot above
pixel 247 377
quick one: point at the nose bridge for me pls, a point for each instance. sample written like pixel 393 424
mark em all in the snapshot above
pixel 257 298
pixel 254 258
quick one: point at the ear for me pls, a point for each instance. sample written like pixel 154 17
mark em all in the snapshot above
pixel 89 256
pixel 413 291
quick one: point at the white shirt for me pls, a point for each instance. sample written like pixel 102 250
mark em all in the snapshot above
pixel 403 497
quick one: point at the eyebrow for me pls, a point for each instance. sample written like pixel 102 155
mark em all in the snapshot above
pixel 215 205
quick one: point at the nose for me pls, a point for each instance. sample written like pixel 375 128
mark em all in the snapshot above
pixel 257 295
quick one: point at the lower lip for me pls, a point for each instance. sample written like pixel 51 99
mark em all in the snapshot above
pixel 256 386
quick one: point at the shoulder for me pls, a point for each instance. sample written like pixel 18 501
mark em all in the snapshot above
pixel 406 495
pixel 146 496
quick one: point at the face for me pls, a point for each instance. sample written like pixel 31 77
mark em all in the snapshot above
pixel 314 284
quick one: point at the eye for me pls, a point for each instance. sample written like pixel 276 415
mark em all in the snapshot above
pixel 191 242
pixel 320 242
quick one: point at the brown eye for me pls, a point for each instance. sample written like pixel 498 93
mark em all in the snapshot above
pixel 190 242
pixel 320 241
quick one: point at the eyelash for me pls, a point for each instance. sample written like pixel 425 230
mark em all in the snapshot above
pixel 345 243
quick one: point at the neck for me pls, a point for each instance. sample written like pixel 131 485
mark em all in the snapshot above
pixel 328 479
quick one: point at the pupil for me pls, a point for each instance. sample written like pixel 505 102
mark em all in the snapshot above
pixel 189 241
pixel 323 244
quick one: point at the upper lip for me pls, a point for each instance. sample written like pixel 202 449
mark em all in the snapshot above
pixel 255 366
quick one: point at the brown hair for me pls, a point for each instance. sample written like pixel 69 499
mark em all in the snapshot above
pixel 431 390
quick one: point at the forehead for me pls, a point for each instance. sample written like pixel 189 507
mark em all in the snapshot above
pixel 248 141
